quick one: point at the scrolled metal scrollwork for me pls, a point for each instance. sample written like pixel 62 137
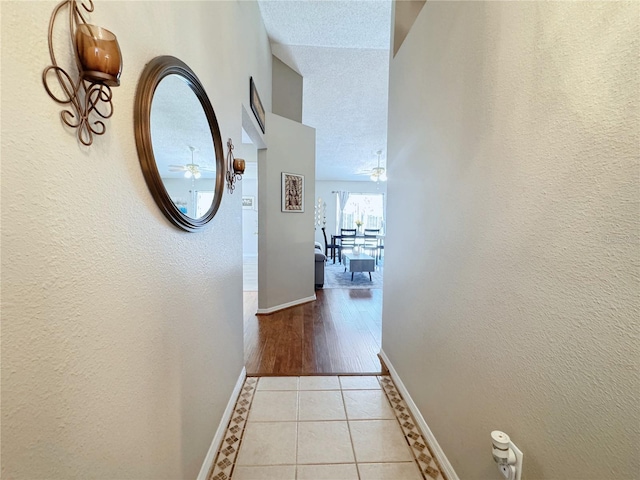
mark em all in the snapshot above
pixel 85 97
pixel 235 167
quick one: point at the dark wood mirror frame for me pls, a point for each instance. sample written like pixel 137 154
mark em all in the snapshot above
pixel 153 73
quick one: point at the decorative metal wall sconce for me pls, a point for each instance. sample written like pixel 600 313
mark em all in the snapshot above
pixel 235 167
pixel 99 64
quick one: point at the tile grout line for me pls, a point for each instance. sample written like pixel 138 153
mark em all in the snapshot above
pixel 295 468
pixel 346 416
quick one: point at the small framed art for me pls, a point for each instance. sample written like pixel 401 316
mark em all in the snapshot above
pixel 248 202
pixel 292 192
pixel 256 104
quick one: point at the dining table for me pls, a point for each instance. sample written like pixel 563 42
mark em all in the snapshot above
pixel 335 241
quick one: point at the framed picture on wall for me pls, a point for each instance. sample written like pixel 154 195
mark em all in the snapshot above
pixel 256 104
pixel 248 202
pixel 292 193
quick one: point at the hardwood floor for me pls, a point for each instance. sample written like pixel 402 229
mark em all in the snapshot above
pixel 339 333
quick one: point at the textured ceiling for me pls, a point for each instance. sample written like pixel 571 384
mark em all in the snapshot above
pixel 341 48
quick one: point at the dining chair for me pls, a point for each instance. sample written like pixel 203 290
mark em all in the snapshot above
pixel 347 240
pixel 372 243
pixel 334 246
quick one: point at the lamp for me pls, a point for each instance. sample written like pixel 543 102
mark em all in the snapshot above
pixel 378 174
pixel 235 167
pixel 99 63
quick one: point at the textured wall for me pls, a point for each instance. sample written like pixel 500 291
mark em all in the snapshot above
pixel 287 91
pixel 512 256
pixel 405 13
pixel 285 245
pixel 121 335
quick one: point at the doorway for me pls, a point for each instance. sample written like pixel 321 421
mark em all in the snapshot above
pixel 249 187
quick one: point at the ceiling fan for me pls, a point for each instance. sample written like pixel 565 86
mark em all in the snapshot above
pixel 191 170
pixel 376 174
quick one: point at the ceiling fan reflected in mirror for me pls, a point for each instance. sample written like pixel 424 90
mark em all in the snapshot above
pixel 191 170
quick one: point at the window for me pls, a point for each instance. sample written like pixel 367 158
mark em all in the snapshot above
pixel 204 199
pixel 366 207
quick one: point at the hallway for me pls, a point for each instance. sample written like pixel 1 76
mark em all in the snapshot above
pixel 317 403
pixel 323 427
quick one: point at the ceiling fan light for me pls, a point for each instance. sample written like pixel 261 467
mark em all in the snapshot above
pixel 187 174
pixel 197 175
pixel 378 174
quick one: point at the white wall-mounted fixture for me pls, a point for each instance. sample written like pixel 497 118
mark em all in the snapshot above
pixel 320 213
pixel 506 455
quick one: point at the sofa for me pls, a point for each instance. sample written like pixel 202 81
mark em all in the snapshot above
pixel 320 260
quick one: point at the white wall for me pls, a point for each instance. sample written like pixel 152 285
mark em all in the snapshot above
pixel 324 189
pixel 249 187
pixel 512 251
pixel 121 335
pixel 285 244
pixel 287 91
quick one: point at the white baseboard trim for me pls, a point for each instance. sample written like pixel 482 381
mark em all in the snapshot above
pixel 222 428
pixel 422 424
pixel 266 311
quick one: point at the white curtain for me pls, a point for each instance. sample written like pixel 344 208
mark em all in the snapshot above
pixel 343 197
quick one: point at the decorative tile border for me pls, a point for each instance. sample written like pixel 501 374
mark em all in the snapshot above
pixel 230 446
pixel 228 451
pixel 422 453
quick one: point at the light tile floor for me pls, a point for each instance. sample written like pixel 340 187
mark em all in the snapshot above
pixel 323 427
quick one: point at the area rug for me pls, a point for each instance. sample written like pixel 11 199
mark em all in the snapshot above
pixel 336 277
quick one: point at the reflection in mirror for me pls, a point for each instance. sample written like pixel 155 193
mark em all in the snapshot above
pixel 182 146
pixel 179 143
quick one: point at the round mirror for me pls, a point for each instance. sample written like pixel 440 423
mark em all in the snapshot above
pixel 179 143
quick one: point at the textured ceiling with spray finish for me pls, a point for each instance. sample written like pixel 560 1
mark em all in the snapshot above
pixel 341 48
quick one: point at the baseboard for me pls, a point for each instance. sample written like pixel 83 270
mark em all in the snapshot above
pixel 447 469
pixel 267 311
pixel 222 428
